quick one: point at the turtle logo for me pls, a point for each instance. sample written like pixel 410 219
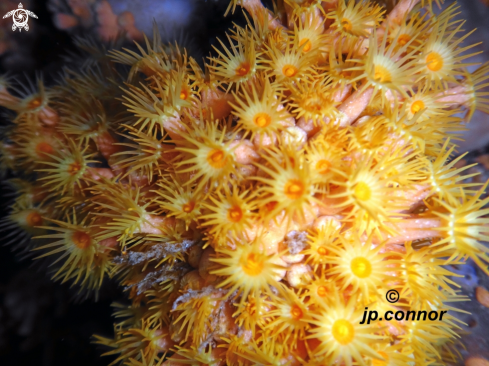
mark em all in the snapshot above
pixel 20 17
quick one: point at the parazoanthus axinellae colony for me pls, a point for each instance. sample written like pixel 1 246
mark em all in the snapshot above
pixel 253 207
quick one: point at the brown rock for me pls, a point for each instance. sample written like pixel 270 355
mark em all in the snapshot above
pixel 484 160
pixel 476 361
pixel 482 295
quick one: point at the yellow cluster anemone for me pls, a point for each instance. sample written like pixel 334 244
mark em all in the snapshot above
pixel 85 260
pixel 260 111
pixel 248 269
pixel 254 206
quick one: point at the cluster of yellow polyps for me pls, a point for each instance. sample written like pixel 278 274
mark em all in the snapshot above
pixel 254 207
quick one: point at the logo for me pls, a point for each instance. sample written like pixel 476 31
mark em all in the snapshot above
pixel 20 17
pixel 392 296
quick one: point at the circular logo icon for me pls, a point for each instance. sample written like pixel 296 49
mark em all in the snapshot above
pixel 20 17
pixel 392 296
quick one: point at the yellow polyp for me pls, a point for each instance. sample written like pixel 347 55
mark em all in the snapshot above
pixel 43 148
pixel 307 44
pixel 322 291
pixel 235 214
pixel 417 106
pixel 323 166
pixel 243 68
pixel 345 74
pixel 361 267
pixel 270 206
pixel 362 191
pixel 313 103
pixel 183 95
pixel 35 103
pixel 34 219
pixel 262 119
pixel 74 168
pixel 188 207
pixel 343 331
pixel 296 312
pixel 377 362
pixel 290 70
pixel 294 189
pixel 81 240
pixel 217 158
pixel 322 251
pixel 346 24
pixel 252 264
pixel 403 39
pixel 314 107
pixel 434 61
pixel 381 74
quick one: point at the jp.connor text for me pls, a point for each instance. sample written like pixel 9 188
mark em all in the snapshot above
pixel 413 315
